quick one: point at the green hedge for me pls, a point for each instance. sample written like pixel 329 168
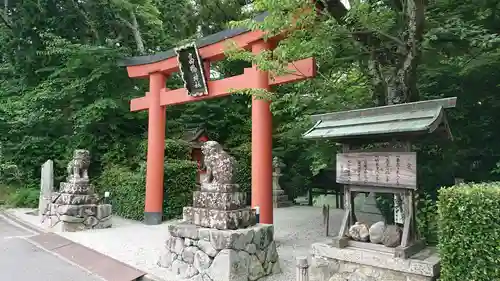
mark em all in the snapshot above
pixel 127 188
pixel 469 232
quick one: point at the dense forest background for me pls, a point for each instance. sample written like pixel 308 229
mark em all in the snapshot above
pixel 61 87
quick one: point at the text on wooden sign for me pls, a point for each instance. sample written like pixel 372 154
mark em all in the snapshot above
pixel 391 169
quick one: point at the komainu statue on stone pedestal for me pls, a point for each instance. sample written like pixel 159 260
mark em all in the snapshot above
pixel 78 166
pixel 219 230
pixel 220 166
pixel 75 206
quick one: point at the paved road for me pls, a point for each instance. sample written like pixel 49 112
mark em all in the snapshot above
pixel 20 260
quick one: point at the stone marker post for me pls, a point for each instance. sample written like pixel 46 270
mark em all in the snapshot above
pixel 280 199
pixel 46 187
pixel 302 269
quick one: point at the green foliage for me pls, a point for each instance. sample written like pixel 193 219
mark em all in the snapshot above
pixel 127 188
pixel 243 176
pixel 180 177
pixel 469 232
pixel 427 223
pixel 26 197
pixel 385 203
pixel 61 88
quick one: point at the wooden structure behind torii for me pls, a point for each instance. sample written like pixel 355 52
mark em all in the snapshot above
pixel 157 68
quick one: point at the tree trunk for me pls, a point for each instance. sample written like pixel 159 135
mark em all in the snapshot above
pixel 393 71
pixel 137 34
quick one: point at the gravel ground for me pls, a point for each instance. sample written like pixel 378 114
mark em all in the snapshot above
pixel 138 245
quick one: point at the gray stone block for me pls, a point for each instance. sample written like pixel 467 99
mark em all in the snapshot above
pixel 219 200
pixel 74 199
pixel 217 187
pixel 219 219
pixel 228 255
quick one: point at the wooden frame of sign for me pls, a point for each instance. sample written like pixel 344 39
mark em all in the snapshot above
pixel 389 170
pixel 191 70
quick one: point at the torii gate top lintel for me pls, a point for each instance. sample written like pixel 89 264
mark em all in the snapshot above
pixel 136 66
pixel 210 49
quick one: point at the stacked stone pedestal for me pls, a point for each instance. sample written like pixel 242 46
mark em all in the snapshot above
pixel 219 206
pixel 197 253
pixel 75 207
pixel 280 199
pixel 219 239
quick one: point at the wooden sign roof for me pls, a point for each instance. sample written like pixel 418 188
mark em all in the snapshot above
pixel 384 121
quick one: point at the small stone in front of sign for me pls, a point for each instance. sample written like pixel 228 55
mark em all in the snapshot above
pixel 359 232
pixel 376 232
pixel 392 236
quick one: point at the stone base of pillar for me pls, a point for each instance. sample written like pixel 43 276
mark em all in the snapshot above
pixel 196 253
pixel 333 264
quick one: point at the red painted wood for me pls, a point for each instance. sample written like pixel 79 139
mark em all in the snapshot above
pixel 156 146
pixel 262 143
pixel 212 52
pixel 302 69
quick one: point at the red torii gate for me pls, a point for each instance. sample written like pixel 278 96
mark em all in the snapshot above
pixel 160 66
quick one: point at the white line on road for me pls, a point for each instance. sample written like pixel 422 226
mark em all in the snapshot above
pixel 9 221
pixel 19 236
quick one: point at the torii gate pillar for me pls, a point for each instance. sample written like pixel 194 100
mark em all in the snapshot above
pixel 262 144
pixel 153 207
pixel 160 66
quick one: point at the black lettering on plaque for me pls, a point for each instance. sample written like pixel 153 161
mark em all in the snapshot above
pixel 359 170
pixel 349 162
pixel 387 169
pixel 409 165
pixel 191 70
pixel 365 170
pixel 377 169
pixel 398 165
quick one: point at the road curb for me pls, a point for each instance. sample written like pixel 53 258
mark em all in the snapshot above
pixel 38 230
pixel 33 228
pixel 149 277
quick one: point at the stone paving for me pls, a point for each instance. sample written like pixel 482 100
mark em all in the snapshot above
pixel 140 246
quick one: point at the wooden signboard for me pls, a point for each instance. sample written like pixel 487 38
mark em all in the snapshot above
pixel 386 169
pixel 191 70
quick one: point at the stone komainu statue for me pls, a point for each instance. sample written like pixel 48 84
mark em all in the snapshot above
pixel 220 166
pixel 78 166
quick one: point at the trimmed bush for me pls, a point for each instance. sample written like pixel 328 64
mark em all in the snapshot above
pixel 469 232
pixel 128 188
